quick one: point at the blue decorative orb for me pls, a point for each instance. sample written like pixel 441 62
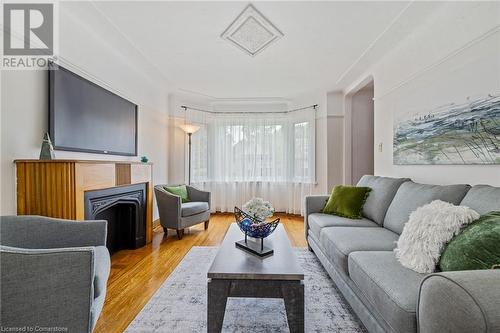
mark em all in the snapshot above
pixel 246 223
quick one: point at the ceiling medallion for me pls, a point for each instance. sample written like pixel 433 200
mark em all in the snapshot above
pixel 251 31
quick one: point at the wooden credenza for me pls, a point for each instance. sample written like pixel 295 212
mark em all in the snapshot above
pixel 56 188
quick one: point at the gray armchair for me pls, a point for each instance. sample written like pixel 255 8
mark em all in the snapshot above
pixel 177 215
pixel 53 272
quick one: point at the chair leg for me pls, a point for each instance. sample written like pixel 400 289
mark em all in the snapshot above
pixel 165 231
pixel 180 233
pixel 206 224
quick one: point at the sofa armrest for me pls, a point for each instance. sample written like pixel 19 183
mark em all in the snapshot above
pixel 313 204
pixel 40 232
pixel 461 301
pixel 169 208
pixel 47 288
pixel 198 195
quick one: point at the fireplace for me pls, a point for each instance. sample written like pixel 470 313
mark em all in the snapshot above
pixel 124 208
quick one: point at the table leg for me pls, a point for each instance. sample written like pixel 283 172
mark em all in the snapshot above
pixel 293 295
pixel 218 292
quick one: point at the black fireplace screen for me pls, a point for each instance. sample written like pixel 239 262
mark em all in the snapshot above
pixel 124 208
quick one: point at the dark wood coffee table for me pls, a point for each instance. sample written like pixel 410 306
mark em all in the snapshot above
pixel 237 273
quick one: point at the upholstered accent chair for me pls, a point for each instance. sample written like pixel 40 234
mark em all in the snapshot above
pixel 174 214
pixel 53 272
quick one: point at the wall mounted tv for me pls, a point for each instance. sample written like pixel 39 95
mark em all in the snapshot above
pixel 85 117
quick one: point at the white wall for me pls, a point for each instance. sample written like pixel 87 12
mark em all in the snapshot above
pixel 335 139
pixel 362 119
pixel 455 54
pixel 24 101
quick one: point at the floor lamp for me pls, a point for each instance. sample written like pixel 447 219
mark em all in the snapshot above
pixel 189 129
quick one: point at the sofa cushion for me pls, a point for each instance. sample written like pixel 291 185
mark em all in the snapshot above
pixel 427 232
pixel 102 264
pixel 193 208
pixel 383 191
pixel 412 195
pixel 318 221
pixel 388 286
pixel 339 242
pixel 476 247
pixel 483 199
pixel 347 201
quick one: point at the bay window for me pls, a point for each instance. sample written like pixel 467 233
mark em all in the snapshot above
pixel 239 156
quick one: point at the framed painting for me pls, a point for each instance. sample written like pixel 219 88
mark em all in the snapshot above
pixel 465 132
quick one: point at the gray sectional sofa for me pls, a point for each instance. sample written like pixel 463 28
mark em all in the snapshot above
pixel 387 297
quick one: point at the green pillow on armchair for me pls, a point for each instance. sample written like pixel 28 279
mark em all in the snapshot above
pixel 180 190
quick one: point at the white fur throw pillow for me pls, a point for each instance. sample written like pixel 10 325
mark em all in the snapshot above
pixel 428 230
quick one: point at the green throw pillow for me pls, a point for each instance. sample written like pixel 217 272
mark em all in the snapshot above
pixel 180 191
pixel 476 247
pixel 347 201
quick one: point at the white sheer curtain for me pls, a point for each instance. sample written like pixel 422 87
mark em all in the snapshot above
pixel 240 156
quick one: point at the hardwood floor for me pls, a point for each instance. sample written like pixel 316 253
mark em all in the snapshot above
pixel 137 274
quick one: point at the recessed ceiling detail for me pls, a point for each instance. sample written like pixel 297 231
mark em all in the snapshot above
pixel 251 31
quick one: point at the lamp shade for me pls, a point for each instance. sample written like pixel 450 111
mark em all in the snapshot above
pixel 189 128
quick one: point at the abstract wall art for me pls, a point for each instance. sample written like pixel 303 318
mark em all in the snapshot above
pixel 466 132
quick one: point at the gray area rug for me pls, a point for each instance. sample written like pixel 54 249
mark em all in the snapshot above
pixel 179 305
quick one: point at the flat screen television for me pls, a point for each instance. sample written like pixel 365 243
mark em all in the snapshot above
pixel 85 117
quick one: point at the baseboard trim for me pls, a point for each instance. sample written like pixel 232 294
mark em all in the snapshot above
pixel 156 223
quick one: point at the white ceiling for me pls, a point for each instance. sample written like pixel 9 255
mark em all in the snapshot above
pixel 325 44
